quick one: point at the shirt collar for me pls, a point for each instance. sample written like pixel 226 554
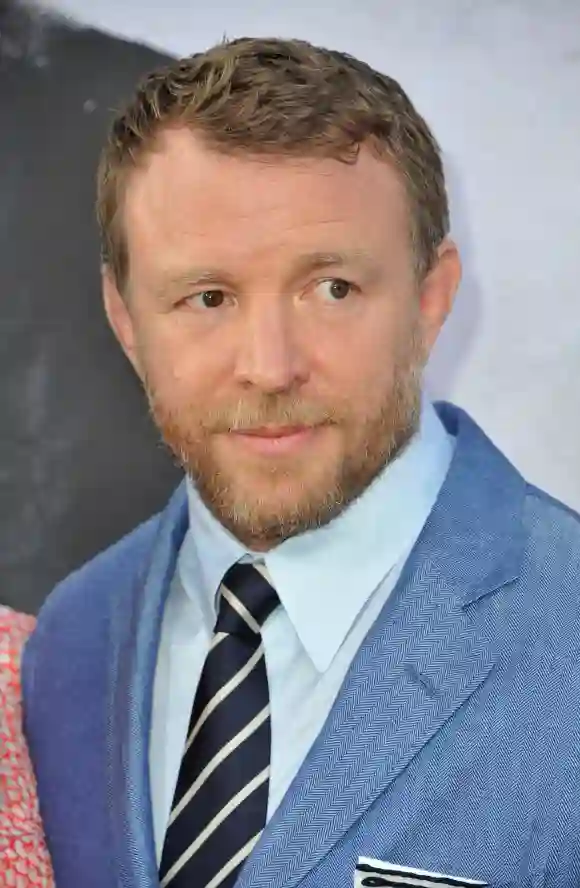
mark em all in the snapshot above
pixel 325 577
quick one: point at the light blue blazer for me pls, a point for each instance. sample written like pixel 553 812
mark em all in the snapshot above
pixel 453 745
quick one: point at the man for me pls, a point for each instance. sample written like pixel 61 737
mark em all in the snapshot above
pixel 352 633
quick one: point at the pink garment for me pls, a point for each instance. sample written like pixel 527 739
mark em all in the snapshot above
pixel 24 860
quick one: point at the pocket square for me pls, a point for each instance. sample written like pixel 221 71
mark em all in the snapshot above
pixel 381 874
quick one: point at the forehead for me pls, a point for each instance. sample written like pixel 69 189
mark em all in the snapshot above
pixel 187 198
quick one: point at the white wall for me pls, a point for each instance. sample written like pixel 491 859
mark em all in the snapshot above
pixel 500 84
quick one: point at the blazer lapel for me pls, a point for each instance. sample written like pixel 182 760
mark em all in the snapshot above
pixel 135 634
pixel 431 648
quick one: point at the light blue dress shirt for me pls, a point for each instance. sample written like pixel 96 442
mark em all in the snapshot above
pixel 332 583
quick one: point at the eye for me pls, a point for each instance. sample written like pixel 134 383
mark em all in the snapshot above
pixel 207 299
pixel 335 289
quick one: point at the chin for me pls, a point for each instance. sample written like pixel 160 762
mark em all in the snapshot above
pixel 272 496
pixel 270 511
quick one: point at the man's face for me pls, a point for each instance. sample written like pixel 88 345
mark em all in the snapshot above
pixel 273 313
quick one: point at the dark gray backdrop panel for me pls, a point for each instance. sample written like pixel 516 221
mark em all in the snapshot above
pixel 80 463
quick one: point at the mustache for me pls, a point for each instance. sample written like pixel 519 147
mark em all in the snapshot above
pixel 246 414
pixel 268 411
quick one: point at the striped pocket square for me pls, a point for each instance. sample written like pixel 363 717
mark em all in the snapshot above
pixel 381 874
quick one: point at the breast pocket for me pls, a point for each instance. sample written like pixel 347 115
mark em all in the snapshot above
pixel 371 873
pixel 529 881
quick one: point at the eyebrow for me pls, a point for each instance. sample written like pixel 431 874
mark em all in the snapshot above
pixel 166 285
pixel 309 262
pixel 194 276
pixel 343 259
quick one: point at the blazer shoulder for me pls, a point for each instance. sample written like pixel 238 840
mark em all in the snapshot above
pixel 75 617
pixel 88 588
pixel 551 569
pixel 552 522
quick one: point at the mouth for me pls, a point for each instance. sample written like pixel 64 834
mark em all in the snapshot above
pixel 274 440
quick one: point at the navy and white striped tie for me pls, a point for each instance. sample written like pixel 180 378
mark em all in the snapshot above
pixel 221 800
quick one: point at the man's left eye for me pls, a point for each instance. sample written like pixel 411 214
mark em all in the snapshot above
pixel 335 289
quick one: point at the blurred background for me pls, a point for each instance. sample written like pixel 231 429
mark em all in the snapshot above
pixel 80 463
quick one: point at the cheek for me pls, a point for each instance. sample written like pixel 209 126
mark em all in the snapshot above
pixel 172 363
pixel 363 368
pixel 157 361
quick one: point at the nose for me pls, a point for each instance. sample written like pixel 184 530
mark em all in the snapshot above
pixel 269 355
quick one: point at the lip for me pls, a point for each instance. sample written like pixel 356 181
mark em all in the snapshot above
pixel 269 441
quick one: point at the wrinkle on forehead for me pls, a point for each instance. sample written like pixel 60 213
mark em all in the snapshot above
pixel 190 200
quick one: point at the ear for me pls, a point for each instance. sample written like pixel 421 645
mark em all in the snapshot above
pixel 119 316
pixel 437 292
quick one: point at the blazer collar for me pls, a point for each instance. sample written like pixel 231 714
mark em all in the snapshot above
pixel 135 634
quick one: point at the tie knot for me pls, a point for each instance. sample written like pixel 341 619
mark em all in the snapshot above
pixel 246 601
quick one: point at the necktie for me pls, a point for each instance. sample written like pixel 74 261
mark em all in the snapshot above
pixel 221 800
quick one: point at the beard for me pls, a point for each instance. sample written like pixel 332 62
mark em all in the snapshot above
pixel 269 500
